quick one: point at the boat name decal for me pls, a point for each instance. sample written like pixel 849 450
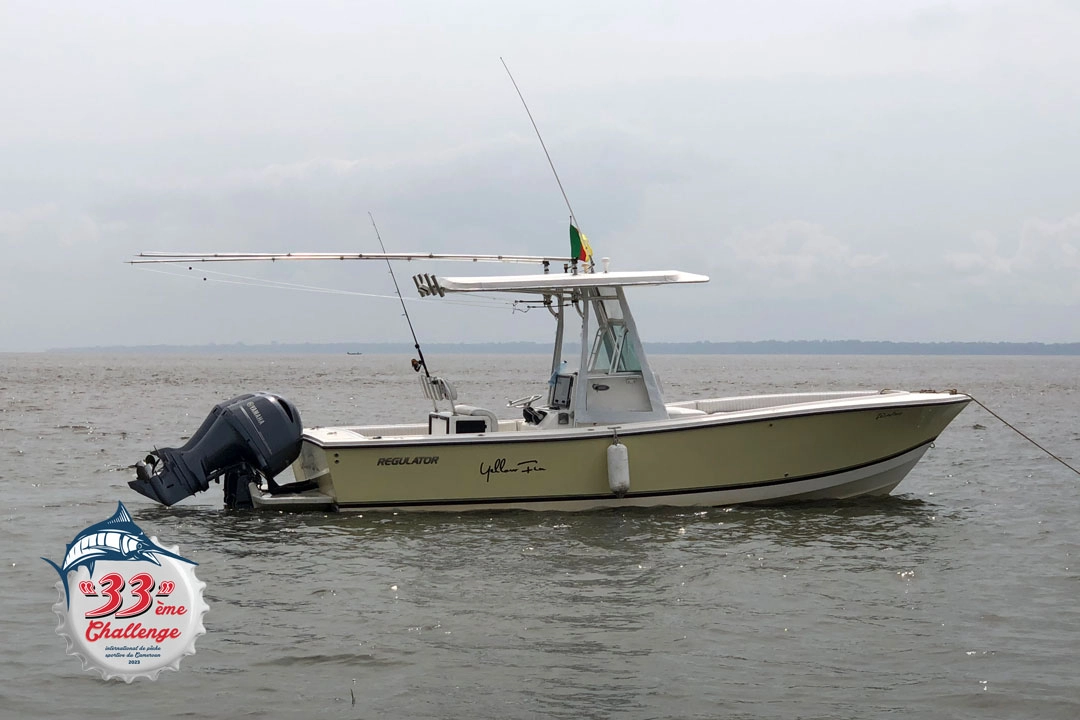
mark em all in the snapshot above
pixel 894 413
pixel 503 466
pixel 416 460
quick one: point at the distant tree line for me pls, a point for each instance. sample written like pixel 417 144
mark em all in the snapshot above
pixel 862 347
pixel 701 347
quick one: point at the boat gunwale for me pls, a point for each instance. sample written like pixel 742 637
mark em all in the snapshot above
pixel 892 400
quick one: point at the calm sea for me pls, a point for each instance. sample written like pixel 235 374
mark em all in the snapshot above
pixel 954 598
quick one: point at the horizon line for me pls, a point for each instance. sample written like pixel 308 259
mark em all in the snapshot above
pixel 714 347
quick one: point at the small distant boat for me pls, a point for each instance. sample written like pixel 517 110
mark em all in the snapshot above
pixel 354 353
pixel 605 434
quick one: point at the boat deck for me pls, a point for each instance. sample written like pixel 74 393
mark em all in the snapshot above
pixel 760 402
pixel 676 410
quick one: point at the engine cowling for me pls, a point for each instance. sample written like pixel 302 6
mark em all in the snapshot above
pixel 253 433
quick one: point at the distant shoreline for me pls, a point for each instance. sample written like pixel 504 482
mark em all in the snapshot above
pixel 761 347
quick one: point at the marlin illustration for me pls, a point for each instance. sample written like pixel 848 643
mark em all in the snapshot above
pixel 117 538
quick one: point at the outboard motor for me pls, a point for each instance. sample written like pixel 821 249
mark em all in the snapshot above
pixel 250 435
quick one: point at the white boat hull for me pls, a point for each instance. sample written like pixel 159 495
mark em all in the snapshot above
pixel 877 479
pixel 765 449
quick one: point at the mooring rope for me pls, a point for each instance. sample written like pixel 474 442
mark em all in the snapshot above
pixel 1019 432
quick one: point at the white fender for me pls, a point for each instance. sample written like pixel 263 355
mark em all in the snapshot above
pixel 618 469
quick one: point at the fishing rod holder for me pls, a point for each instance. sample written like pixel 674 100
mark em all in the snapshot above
pixel 428 285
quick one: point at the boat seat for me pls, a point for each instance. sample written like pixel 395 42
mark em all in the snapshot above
pixel 473 411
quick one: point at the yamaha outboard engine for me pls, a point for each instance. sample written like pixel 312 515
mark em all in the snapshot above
pixel 250 435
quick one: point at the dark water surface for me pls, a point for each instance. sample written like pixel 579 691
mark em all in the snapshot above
pixel 954 598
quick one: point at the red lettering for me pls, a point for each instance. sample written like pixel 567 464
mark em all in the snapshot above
pixel 111 587
pixel 91 629
pixel 98 630
pixel 170 610
pixel 142 585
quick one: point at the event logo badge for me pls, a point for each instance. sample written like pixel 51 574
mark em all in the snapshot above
pixel 128 606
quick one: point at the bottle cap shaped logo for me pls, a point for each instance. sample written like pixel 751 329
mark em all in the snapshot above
pixel 128 607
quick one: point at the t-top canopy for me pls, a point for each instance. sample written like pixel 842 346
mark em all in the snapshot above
pixel 557 282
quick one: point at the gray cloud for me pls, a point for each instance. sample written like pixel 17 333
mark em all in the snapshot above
pixel 846 170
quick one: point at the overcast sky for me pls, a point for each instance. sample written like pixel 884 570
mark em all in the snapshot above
pixel 842 169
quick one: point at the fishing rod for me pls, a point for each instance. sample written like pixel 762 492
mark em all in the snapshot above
pixel 573 218
pixel 417 364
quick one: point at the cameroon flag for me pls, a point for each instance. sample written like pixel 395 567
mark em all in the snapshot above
pixel 579 245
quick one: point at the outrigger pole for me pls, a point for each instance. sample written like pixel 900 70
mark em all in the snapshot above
pixel 148 258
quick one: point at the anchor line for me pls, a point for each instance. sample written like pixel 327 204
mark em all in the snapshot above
pixel 1019 432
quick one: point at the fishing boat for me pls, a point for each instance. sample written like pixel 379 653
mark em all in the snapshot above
pixel 604 435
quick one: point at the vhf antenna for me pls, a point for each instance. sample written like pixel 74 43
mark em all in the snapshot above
pixel 541 139
pixel 573 218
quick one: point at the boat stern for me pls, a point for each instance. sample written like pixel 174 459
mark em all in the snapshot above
pixel 312 488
